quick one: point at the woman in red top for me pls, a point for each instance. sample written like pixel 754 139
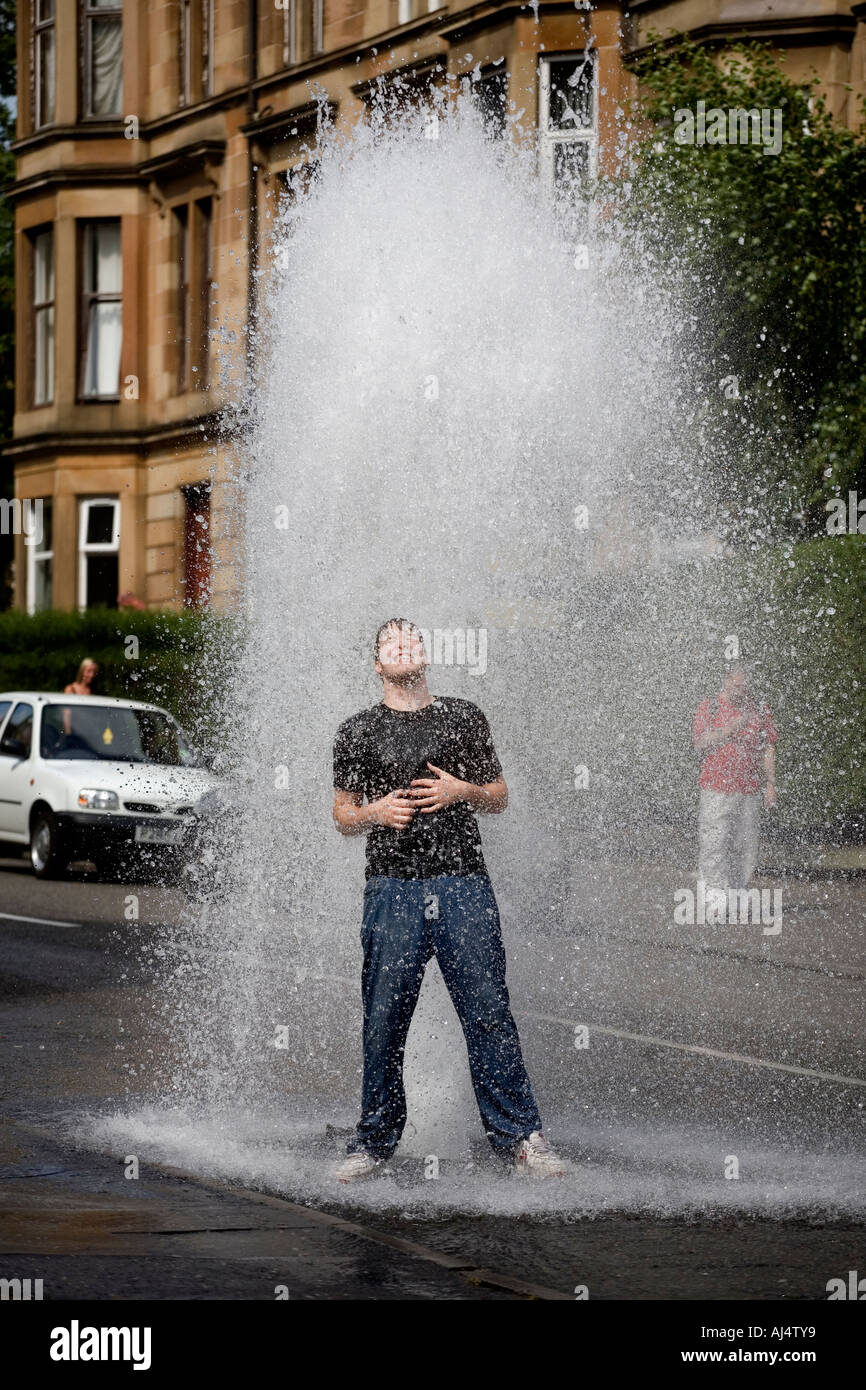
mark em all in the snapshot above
pixel 735 736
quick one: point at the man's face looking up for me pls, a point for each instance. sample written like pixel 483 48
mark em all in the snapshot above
pixel 401 658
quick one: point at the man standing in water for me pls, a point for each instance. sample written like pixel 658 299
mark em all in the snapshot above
pixel 426 765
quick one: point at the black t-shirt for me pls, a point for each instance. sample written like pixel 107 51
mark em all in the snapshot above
pixel 381 749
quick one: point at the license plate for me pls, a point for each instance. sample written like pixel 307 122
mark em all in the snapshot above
pixel 159 834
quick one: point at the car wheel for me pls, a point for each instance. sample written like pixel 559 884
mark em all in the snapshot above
pixel 46 854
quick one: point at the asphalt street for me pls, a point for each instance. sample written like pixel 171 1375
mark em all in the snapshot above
pixel 677 1020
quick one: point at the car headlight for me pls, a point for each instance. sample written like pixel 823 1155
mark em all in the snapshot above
pixel 98 799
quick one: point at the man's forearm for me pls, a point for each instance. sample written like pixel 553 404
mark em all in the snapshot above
pixel 489 798
pixel 355 820
pixel 770 765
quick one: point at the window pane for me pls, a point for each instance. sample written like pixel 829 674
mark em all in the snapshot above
pixel 45 76
pixel 43 374
pixel 5 706
pixel 106 66
pixel 100 525
pixel 103 266
pixel 186 46
pixel 43 325
pixel 102 733
pixel 101 580
pixel 571 95
pixel 197 546
pixel 45 543
pixel 102 363
pixel 42 584
pixel 489 96
pixel 43 267
pixel 570 163
pixel 45 10
pixel 181 215
pixel 20 726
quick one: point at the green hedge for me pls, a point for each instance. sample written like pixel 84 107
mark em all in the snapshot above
pixel 799 611
pixel 803 612
pixel 181 661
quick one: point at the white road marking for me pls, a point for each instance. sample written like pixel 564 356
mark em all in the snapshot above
pixel 647 1038
pixel 39 921
pixel 693 1047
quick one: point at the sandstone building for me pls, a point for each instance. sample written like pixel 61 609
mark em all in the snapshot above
pixel 153 138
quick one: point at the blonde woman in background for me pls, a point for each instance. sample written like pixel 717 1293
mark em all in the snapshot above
pixel 87 673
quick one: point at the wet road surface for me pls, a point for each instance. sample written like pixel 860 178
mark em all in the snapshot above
pixel 69 971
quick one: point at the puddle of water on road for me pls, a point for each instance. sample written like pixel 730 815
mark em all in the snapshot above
pixel 664 1173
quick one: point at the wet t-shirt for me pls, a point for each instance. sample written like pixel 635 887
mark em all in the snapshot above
pixel 381 749
pixel 734 766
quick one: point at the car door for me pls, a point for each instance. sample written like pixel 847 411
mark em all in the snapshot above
pixel 16 770
pixel 5 706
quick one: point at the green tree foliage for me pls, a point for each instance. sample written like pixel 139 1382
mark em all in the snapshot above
pixel 768 253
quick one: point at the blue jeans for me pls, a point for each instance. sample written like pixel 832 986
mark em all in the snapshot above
pixel 455 917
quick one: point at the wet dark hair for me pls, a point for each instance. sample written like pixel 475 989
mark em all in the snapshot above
pixel 402 623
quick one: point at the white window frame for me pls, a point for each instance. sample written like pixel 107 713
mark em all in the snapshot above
pixel 207 43
pixel 88 301
pixel 186 27
pixel 196 51
pixel 86 548
pixel 549 139
pixel 406 9
pixel 290 33
pixel 37 557
pixel 318 27
pixel 91 13
pixel 45 37
pixel 43 311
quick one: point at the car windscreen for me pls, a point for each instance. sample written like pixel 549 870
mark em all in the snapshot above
pixel 103 733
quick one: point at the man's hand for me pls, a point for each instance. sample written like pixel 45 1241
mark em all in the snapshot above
pixel 352 817
pixel 394 810
pixel 770 797
pixel 432 793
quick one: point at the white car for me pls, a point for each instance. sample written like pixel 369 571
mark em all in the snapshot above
pixel 89 777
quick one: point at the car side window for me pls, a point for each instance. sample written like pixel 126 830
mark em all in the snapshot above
pixel 5 706
pixel 20 727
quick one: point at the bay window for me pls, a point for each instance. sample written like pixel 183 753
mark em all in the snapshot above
pixel 101 309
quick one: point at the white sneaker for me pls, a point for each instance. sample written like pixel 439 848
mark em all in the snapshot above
pixel 357 1166
pixel 533 1157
